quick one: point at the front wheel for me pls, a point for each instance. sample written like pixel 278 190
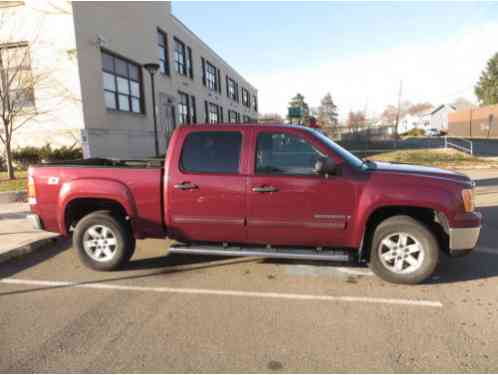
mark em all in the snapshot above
pixel 403 251
pixel 103 242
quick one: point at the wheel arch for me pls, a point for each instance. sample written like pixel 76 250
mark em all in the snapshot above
pixel 434 219
pixel 81 197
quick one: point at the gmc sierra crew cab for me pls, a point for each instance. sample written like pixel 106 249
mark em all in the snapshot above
pixel 260 190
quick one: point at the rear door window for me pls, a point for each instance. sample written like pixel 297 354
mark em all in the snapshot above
pixel 211 152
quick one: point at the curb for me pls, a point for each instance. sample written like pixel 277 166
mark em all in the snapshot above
pixel 27 249
pixel 12 196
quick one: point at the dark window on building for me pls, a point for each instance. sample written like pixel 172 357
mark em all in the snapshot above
pixel 214 113
pixel 180 57
pixel 255 103
pixel 245 97
pixel 233 117
pixel 122 84
pixel 186 109
pixel 211 152
pixel 285 154
pixel 211 76
pixel 183 109
pixel 163 52
pixel 16 77
pixel 232 89
pixel 246 119
pixel 194 110
pixel 190 67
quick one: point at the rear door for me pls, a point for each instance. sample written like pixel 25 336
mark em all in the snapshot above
pixel 288 203
pixel 206 189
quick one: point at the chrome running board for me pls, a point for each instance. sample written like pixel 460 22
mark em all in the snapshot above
pixel 283 253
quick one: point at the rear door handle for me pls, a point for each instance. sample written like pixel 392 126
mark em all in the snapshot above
pixel 264 189
pixel 186 186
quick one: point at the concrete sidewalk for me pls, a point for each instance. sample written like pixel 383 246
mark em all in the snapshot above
pixel 17 235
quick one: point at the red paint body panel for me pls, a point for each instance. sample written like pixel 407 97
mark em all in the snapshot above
pixel 306 210
pixel 137 190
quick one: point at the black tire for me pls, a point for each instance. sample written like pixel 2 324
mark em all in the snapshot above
pixel 417 231
pixel 124 241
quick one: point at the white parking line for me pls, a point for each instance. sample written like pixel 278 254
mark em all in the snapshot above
pixel 232 293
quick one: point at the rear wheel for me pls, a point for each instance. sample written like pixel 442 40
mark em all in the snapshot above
pixel 403 251
pixel 103 242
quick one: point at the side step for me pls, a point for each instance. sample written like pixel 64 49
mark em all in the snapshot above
pixel 283 253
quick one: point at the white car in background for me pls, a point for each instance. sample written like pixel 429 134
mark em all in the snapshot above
pixel 432 132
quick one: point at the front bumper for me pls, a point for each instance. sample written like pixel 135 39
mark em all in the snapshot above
pixel 35 221
pixel 462 240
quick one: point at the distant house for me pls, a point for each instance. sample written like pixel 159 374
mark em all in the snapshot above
pixel 439 117
pixel 416 121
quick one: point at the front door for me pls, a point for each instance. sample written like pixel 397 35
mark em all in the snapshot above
pixel 289 204
pixel 206 189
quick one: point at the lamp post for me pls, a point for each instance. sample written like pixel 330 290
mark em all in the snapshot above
pixel 152 69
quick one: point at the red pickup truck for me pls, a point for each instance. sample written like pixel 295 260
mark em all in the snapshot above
pixel 265 190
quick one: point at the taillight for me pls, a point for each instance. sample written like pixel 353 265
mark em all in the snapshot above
pixel 468 200
pixel 31 190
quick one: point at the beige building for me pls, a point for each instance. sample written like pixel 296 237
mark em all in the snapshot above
pixel 95 52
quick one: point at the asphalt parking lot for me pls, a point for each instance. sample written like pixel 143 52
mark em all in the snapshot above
pixel 191 313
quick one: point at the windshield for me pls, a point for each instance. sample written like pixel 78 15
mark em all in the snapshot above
pixel 340 151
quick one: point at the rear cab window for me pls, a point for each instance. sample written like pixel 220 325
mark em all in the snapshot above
pixel 212 152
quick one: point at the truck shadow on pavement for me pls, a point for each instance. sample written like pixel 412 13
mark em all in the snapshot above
pixel 16 265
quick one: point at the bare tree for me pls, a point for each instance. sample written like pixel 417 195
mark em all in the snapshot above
pixel 270 118
pixel 16 94
pixel 420 108
pixel 18 83
pixel 356 120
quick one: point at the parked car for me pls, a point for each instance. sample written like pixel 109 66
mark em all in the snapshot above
pixel 432 132
pixel 272 190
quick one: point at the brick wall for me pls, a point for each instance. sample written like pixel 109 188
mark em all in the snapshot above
pixel 474 123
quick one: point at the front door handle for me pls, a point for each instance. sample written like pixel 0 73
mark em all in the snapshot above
pixel 186 186
pixel 264 189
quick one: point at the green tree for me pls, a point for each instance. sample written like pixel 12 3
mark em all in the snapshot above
pixel 327 113
pixel 299 111
pixel 487 87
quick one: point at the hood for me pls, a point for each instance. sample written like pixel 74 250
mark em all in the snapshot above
pixel 419 170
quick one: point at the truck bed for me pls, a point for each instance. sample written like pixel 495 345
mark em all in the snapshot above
pixel 136 183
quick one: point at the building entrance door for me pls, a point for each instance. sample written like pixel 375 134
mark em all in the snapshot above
pixel 167 120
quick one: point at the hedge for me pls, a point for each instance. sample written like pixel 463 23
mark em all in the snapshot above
pixel 24 156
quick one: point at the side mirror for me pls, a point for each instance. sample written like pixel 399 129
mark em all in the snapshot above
pixel 325 166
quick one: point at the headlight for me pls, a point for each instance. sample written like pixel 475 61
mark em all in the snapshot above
pixel 468 200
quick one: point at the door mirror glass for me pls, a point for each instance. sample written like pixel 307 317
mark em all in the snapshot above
pixel 325 166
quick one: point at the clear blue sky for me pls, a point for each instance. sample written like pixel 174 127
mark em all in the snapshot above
pixel 256 37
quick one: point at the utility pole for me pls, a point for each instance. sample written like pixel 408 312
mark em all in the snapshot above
pixel 397 115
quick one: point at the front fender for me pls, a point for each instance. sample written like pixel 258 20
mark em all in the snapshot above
pixel 437 199
pixel 92 188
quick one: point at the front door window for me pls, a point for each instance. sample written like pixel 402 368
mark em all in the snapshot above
pixel 285 154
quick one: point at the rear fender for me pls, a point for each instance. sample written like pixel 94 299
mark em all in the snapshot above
pixel 96 189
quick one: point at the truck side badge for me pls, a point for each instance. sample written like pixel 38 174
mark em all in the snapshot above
pixel 54 180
